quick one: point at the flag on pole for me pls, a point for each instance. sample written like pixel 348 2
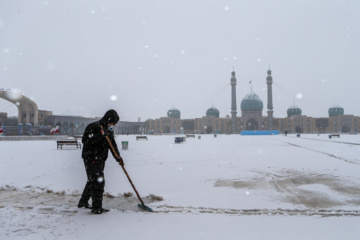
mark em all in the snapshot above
pixel 54 130
pixel 57 129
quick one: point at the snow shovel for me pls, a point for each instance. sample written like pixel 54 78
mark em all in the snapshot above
pixel 142 205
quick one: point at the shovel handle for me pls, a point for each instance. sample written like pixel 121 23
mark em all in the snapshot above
pixel 113 150
pixel 132 185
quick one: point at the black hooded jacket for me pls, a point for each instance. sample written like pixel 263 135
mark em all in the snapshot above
pixel 96 147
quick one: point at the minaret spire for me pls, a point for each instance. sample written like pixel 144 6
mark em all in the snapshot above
pixel 233 101
pixel 269 82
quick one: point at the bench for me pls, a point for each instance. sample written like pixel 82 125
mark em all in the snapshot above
pixel 190 135
pixel 334 135
pixel 68 143
pixel 141 137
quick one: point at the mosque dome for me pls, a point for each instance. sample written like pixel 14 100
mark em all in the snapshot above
pixel 251 102
pixel 174 113
pixel 213 112
pixel 293 110
pixel 335 110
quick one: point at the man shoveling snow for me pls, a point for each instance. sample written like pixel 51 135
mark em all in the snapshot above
pixel 95 152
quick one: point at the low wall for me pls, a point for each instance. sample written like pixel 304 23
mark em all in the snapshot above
pixel 33 138
pixel 260 132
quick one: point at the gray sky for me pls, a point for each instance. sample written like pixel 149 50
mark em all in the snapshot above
pixel 144 57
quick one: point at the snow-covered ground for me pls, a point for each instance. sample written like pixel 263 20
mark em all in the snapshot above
pixel 228 187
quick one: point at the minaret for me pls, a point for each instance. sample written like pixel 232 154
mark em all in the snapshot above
pixel 270 111
pixel 233 102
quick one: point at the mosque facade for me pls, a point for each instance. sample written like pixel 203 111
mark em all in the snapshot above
pixel 252 118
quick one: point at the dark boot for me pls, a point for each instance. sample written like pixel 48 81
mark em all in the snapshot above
pixel 84 205
pixel 99 210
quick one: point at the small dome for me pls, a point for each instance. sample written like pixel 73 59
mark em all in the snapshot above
pixel 174 113
pixel 293 110
pixel 251 102
pixel 335 110
pixel 213 112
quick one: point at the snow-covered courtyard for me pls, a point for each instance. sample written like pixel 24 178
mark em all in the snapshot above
pixel 224 187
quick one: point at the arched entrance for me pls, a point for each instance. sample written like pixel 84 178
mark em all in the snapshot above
pixel 298 129
pixel 345 129
pixel 252 124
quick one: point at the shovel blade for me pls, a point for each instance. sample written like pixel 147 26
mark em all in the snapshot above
pixel 142 206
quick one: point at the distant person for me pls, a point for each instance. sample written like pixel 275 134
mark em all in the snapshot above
pixel 285 133
pixel 94 154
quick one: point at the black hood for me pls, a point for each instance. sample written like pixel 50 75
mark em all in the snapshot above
pixel 110 116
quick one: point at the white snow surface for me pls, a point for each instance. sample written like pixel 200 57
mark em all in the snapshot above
pixel 224 187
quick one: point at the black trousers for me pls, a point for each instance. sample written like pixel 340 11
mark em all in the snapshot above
pixel 95 184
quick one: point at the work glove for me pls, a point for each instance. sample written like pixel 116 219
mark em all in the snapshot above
pixel 121 161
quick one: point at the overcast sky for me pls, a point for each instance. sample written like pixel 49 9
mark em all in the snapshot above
pixel 144 57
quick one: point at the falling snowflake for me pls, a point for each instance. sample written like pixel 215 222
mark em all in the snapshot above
pixel 113 98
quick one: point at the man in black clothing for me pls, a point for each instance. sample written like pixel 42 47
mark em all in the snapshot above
pixel 95 152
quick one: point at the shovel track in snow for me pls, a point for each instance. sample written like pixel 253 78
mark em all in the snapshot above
pixel 329 141
pixel 328 154
pixel 58 203
pixel 255 212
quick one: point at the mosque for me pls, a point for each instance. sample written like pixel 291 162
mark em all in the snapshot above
pixel 252 118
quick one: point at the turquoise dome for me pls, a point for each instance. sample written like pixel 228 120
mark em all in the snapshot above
pixel 335 111
pixel 213 112
pixel 251 102
pixel 293 110
pixel 174 113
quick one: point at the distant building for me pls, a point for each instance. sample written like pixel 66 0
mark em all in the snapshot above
pixel 32 121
